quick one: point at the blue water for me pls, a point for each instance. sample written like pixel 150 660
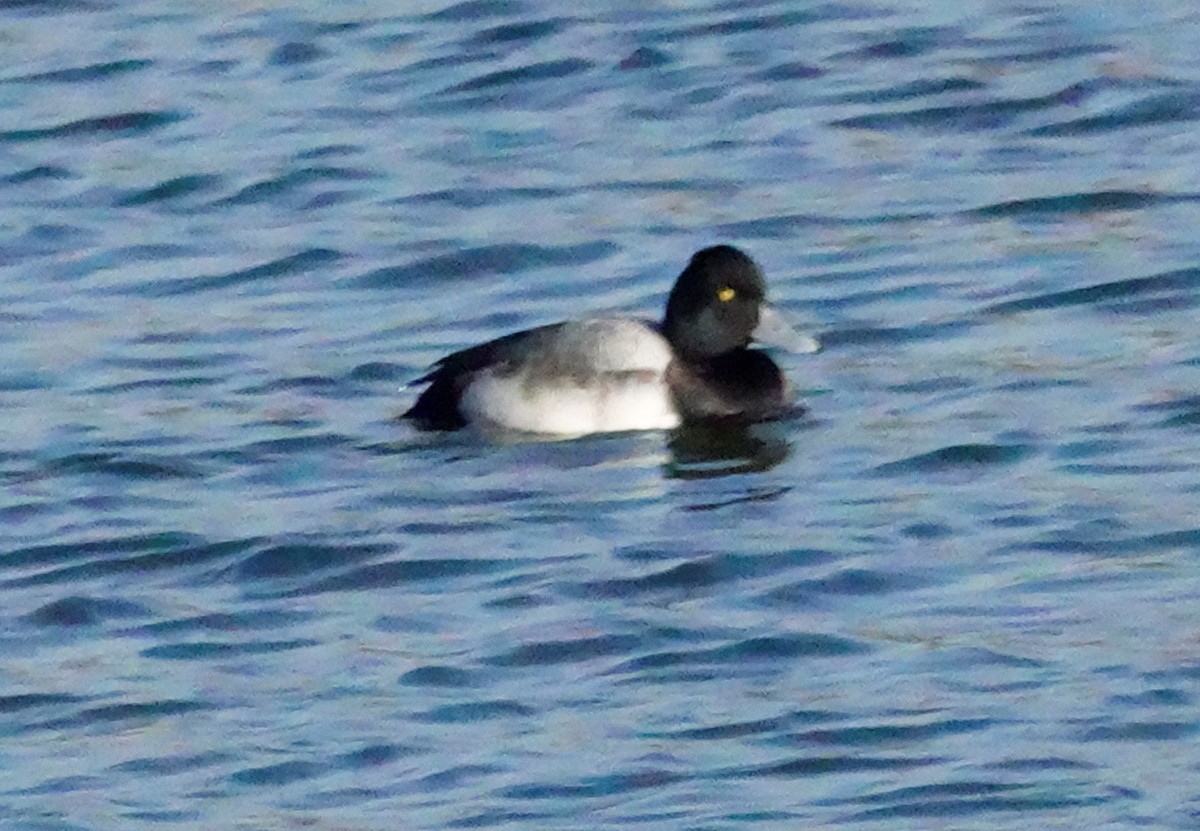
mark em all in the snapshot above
pixel 236 592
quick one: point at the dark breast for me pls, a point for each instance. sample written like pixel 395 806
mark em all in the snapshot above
pixel 744 384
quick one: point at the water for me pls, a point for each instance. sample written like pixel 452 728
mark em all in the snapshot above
pixel 237 593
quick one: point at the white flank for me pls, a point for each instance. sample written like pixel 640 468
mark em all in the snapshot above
pixel 592 376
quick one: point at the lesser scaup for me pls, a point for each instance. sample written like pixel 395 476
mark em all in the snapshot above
pixel 605 375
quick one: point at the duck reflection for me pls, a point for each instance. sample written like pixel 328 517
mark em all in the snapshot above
pixel 710 449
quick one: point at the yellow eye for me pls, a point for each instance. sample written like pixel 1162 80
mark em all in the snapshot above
pixel 726 294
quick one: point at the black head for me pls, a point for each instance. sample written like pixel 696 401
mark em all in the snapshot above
pixel 715 304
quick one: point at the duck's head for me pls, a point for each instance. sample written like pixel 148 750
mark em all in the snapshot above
pixel 718 304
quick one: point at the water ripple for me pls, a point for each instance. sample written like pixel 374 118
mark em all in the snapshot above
pixel 1181 281
pixel 988 115
pixel 472 263
pixel 1167 108
pixel 84 611
pixel 1081 203
pixel 83 74
pixel 288 266
pixel 105 126
pixel 957 457
pixel 148 712
pixel 542 71
pixel 175 188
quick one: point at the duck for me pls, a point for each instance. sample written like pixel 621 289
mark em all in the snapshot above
pixel 619 374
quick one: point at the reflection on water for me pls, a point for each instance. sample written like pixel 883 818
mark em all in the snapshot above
pixel 708 450
pixel 701 450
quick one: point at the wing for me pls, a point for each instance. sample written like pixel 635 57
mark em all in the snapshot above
pixel 474 358
pixel 437 406
pixel 562 356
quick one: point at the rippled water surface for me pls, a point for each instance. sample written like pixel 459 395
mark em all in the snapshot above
pixel 237 593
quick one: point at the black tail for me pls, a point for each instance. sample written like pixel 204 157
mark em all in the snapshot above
pixel 437 406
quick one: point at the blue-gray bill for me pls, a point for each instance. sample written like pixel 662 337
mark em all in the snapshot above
pixel 774 330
